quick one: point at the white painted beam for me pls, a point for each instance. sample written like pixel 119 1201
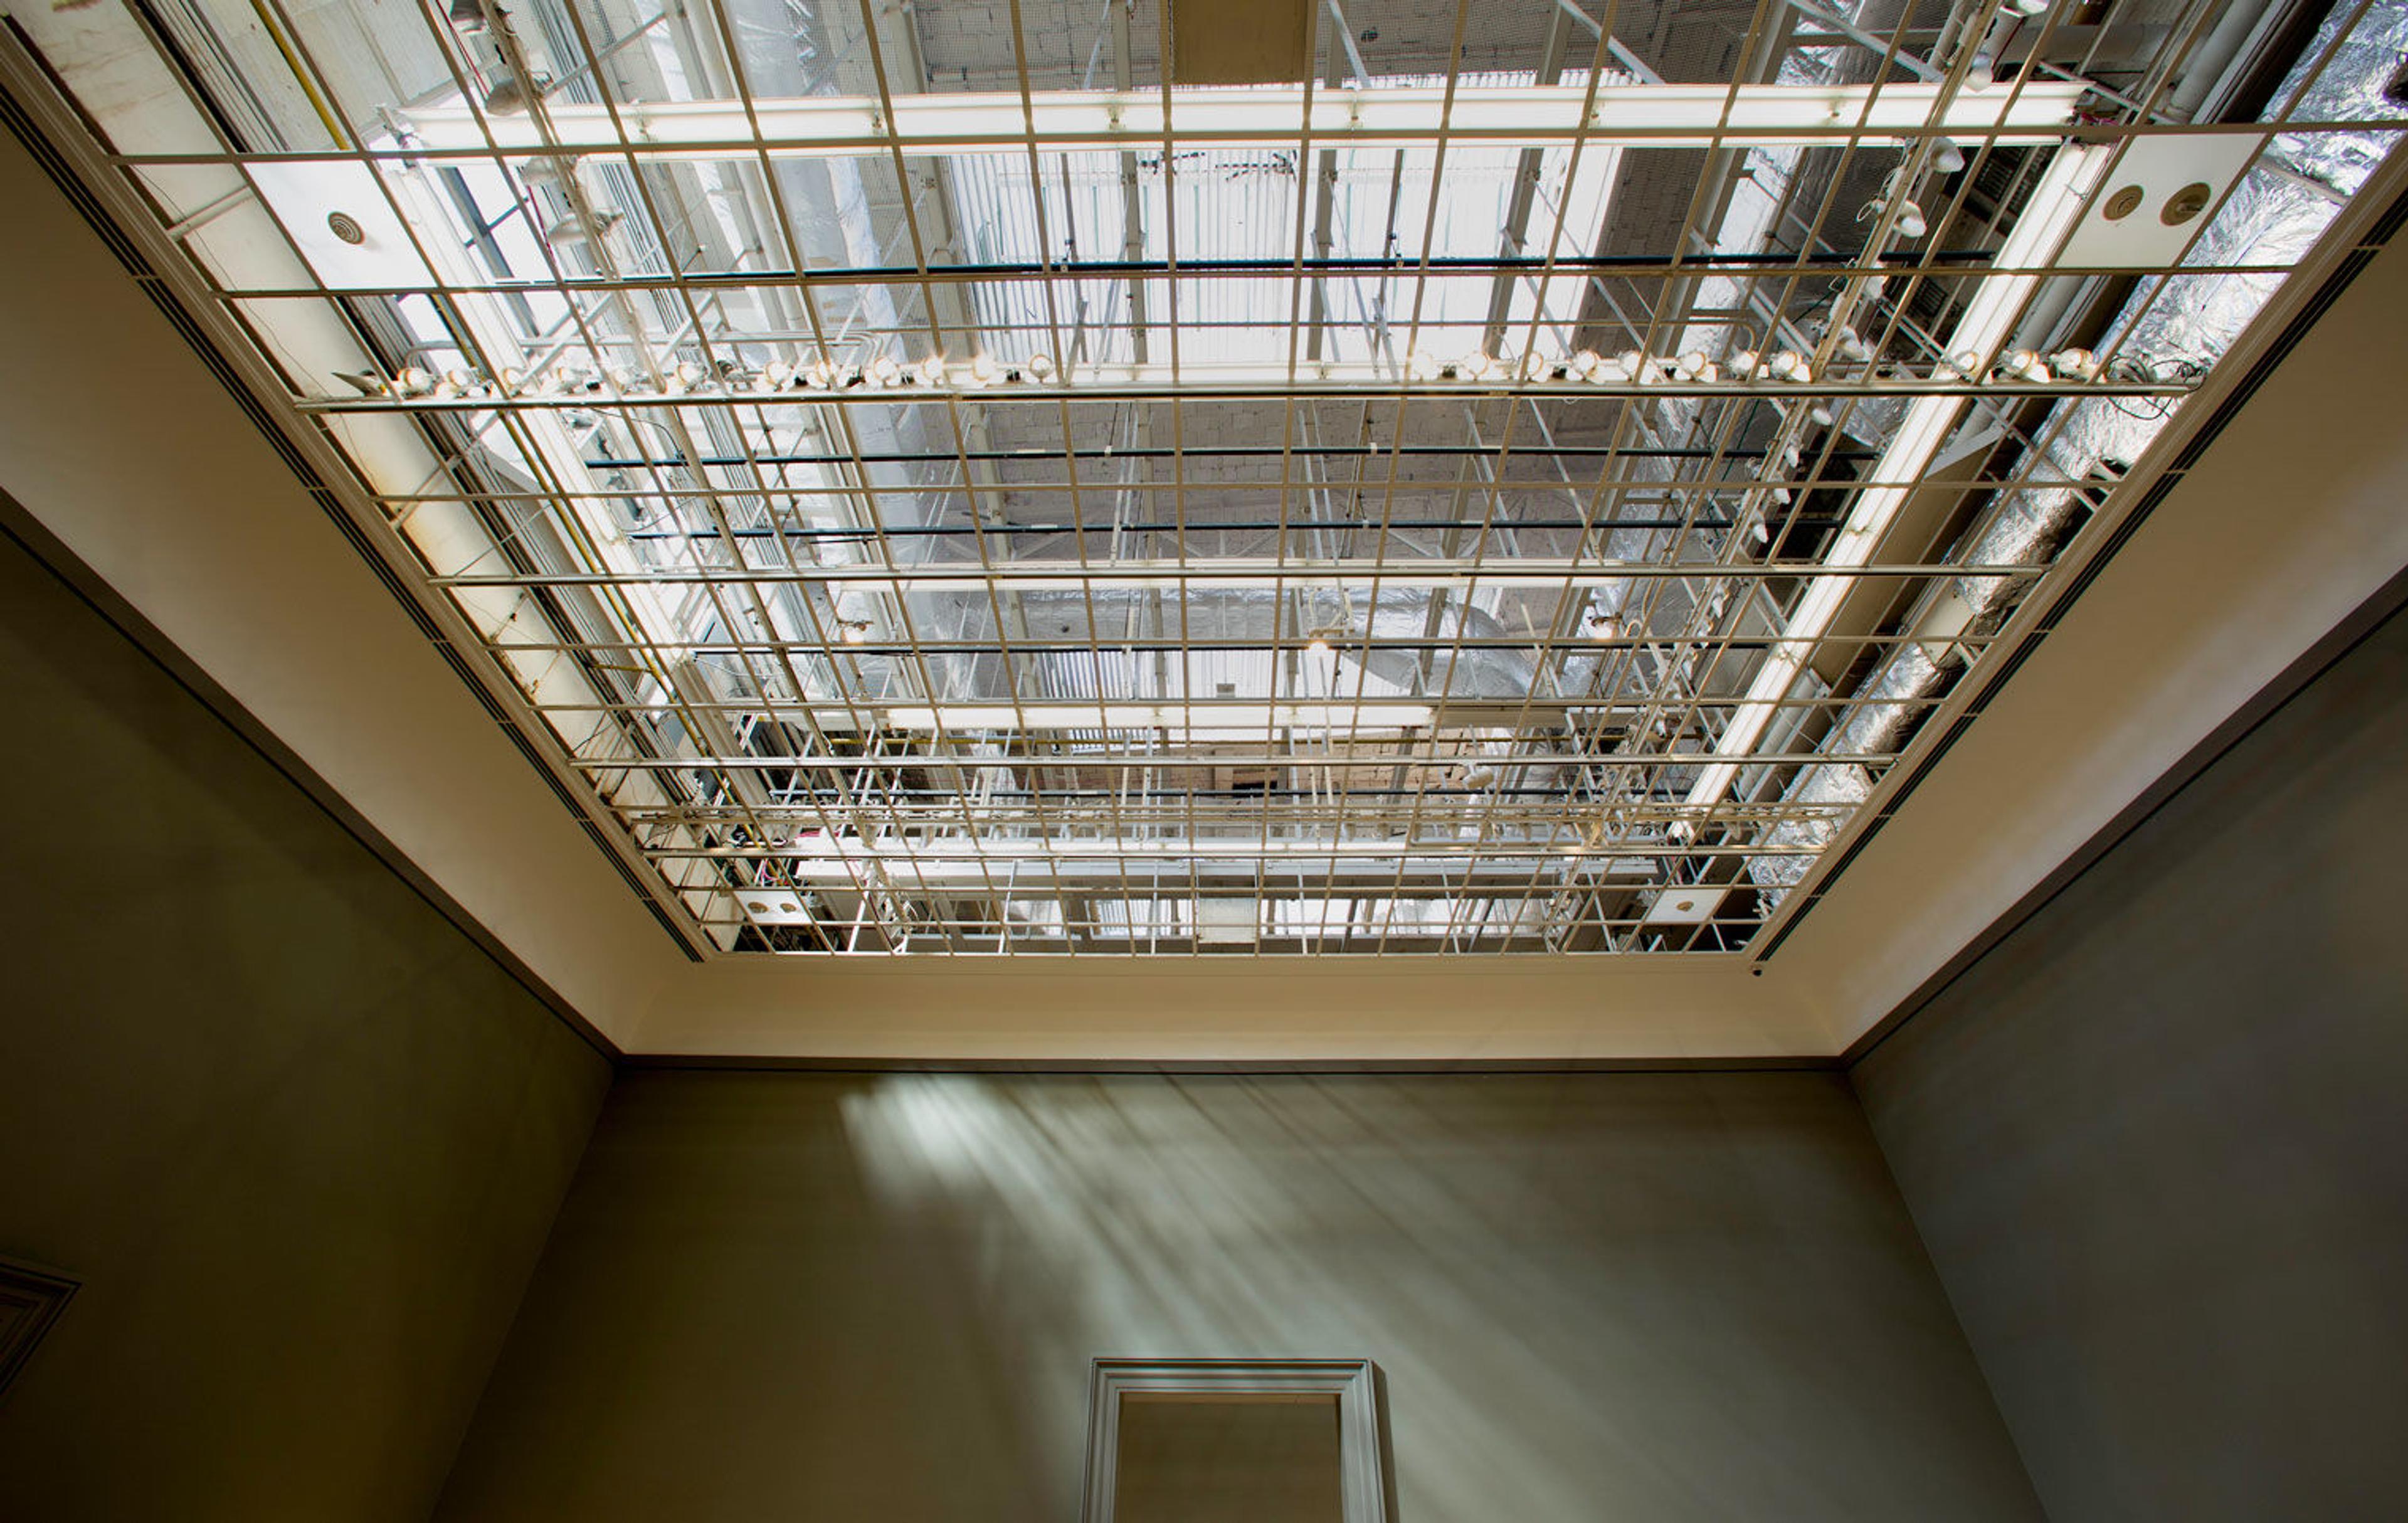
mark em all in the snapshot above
pixel 1534 116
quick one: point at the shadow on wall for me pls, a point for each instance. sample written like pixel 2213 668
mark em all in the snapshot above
pixel 1652 1296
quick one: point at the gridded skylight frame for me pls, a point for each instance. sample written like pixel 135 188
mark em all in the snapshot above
pixel 929 486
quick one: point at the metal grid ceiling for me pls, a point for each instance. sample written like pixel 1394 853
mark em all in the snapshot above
pixel 938 484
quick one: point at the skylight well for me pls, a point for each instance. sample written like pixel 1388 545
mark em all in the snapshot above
pixel 927 479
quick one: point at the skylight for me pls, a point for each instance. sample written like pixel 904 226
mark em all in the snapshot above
pixel 930 482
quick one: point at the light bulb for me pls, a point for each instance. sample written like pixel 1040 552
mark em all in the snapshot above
pixel 2074 363
pixel 1586 363
pixel 508 98
pixel 985 371
pixel 1040 368
pixel 1318 646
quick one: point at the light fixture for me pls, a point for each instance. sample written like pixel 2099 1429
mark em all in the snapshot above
pixel 508 96
pixel 984 372
pixel 853 631
pixel 1040 368
pixel 884 371
pixel 2023 364
pixel 1946 157
pixel 1420 367
pixel 366 383
pixel 1476 366
pixel 2074 363
pixel 777 376
pixel 1910 223
pixel 1789 364
pixel 931 370
pixel 1744 365
pixel 819 376
pixel 573 232
pixel 468 14
pixel 1584 364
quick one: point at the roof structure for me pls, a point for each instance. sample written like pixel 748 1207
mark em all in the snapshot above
pixel 949 479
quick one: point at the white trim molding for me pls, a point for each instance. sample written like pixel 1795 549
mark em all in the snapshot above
pixel 1362 1480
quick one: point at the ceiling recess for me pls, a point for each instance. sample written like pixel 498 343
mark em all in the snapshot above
pixel 950 479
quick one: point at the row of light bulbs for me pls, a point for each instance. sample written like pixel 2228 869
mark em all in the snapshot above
pixel 1629 367
pixel 574 378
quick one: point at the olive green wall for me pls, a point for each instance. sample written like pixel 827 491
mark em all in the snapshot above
pixel 1647 1295
pixel 299 1137
pixel 2154 1139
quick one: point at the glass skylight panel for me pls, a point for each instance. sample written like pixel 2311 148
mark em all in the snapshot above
pixel 944 489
